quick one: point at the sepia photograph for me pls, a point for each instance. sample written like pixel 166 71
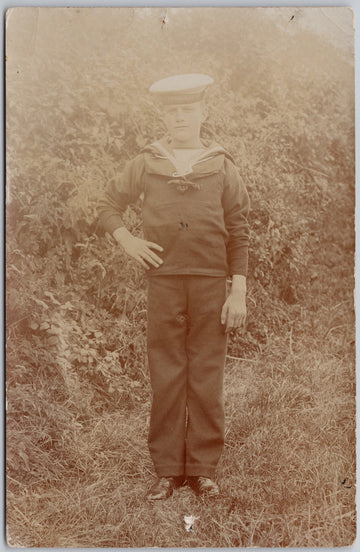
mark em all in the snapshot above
pixel 180 250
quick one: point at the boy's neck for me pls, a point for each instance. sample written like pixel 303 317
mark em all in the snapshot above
pixel 193 144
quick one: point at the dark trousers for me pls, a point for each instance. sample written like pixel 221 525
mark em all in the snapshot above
pixel 186 352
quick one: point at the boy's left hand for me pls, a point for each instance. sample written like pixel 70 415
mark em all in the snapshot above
pixel 233 313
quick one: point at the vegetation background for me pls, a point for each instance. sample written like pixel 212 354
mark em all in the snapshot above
pixel 78 390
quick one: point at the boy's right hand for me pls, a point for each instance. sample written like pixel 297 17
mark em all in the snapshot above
pixel 138 249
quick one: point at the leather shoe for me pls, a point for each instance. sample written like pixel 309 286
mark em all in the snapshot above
pixel 163 487
pixel 203 486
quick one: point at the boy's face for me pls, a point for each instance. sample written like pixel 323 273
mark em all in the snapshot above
pixel 183 122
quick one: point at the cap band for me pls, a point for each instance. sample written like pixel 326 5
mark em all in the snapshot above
pixel 176 99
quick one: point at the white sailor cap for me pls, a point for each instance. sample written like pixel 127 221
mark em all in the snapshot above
pixel 181 89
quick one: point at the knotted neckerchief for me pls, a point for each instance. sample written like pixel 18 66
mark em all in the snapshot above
pixel 183 184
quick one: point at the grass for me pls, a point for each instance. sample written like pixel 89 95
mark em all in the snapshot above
pixel 287 474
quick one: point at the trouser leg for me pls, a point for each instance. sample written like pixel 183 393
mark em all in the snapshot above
pixel 206 349
pixel 167 364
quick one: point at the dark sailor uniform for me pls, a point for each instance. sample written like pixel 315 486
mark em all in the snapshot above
pixel 200 220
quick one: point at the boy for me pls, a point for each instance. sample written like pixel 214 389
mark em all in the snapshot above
pixel 195 211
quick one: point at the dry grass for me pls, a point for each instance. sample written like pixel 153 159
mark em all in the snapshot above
pixel 287 474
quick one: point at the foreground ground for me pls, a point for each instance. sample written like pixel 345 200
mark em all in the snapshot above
pixel 286 476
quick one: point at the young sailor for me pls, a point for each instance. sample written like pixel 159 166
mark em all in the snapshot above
pixel 195 210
